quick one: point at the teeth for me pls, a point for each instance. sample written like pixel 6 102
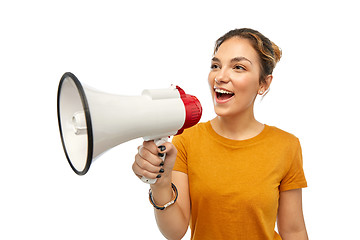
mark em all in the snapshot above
pixel 222 91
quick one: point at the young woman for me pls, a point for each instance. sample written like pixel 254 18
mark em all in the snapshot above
pixel 231 177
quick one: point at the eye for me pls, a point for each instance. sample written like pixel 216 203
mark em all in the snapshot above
pixel 214 66
pixel 239 67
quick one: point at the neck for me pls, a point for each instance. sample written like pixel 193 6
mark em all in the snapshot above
pixel 240 127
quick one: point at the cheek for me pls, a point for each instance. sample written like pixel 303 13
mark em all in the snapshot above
pixel 211 80
pixel 247 85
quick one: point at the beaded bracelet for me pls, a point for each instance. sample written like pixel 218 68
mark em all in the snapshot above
pixel 167 204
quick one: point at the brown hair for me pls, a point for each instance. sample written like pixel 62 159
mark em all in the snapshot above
pixel 269 53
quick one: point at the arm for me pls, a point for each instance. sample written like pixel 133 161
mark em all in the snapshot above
pixel 291 224
pixel 173 222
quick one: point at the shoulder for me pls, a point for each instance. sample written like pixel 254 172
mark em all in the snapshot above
pixel 277 132
pixel 282 136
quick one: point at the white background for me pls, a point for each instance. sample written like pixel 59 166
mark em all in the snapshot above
pixel 125 47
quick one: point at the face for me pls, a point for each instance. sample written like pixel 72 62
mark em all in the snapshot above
pixel 234 77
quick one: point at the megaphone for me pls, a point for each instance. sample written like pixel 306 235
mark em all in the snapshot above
pixel 92 122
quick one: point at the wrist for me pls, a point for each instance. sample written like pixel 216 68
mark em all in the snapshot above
pixel 163 182
pixel 163 206
pixel 161 193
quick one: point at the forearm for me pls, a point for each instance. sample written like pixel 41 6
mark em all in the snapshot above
pixel 171 222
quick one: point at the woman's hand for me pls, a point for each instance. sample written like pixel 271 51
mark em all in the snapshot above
pixel 149 164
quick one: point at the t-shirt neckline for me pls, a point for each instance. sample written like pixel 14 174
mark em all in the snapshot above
pixel 237 143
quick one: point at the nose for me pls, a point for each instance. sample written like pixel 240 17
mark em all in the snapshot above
pixel 222 76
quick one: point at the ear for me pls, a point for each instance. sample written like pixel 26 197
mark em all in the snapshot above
pixel 265 85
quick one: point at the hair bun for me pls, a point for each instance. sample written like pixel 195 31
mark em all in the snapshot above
pixel 277 52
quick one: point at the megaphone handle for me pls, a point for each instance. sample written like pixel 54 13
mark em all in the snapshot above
pixel 158 142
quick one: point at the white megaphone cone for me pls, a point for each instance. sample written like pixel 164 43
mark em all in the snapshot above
pixel 92 122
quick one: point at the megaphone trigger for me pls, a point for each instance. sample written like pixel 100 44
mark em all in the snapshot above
pixel 158 142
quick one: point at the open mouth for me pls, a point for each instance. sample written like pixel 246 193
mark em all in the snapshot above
pixel 222 94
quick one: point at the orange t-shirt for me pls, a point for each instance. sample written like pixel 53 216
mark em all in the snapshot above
pixel 234 185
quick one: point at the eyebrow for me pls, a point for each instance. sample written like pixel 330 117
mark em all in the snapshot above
pixel 235 59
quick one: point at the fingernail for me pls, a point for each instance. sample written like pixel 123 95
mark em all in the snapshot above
pixel 162 148
pixel 160 154
pixel 161 164
pixel 158 176
pixel 161 170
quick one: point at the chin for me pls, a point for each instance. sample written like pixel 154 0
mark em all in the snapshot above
pixel 221 112
pixel 231 111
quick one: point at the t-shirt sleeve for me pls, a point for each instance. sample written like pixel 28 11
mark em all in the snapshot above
pixel 181 158
pixel 295 177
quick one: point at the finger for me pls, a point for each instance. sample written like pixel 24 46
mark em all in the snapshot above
pixel 167 148
pixel 152 158
pixel 151 146
pixel 170 150
pixel 140 172
pixel 137 170
pixel 144 164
